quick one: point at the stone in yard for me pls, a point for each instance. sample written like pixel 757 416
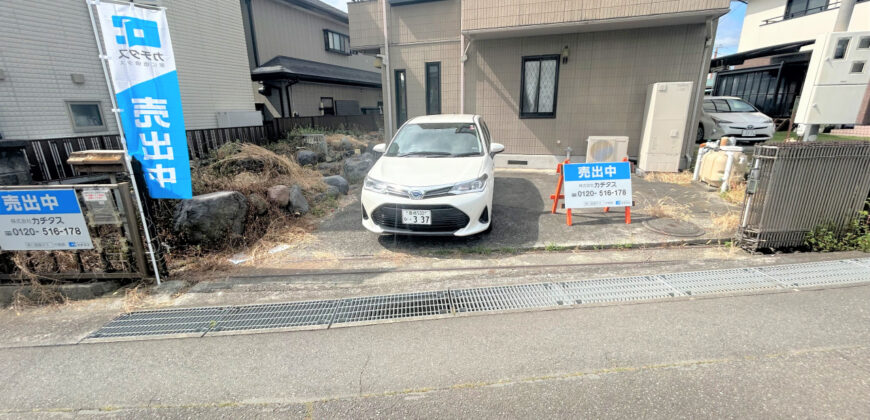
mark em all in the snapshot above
pixel 331 192
pixel 357 167
pixel 279 195
pixel 211 218
pixel 339 182
pixel 329 168
pixel 298 203
pixel 258 204
pixel 306 157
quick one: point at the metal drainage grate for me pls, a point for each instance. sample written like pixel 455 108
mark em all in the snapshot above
pixel 201 321
pixel 162 322
pixel 718 281
pixel 279 315
pixel 617 290
pixel 507 297
pixel 819 273
pixel 404 305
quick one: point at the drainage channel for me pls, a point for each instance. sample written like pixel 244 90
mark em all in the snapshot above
pixel 321 314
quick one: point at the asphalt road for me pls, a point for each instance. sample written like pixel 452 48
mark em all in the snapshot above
pixel 786 354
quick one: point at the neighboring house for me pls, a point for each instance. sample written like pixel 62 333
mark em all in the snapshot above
pixel 301 60
pixel 544 74
pixel 52 83
pixel 776 42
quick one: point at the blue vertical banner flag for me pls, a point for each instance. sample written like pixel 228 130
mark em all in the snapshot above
pixel 142 65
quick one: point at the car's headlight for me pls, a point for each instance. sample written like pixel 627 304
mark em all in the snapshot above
pixel 721 121
pixel 375 185
pixel 768 120
pixel 473 186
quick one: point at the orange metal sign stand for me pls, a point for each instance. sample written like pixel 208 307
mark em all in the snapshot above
pixel 559 196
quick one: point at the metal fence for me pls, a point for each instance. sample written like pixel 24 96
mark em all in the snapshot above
pixel 795 187
pixel 47 157
pixel 119 247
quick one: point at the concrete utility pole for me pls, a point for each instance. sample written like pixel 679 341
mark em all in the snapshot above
pixel 388 100
pixel 844 15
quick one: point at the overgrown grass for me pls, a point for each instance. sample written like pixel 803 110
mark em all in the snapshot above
pixel 680 178
pixel 735 194
pixel 779 136
pixel 854 236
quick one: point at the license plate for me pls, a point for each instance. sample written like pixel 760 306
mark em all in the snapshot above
pixel 748 133
pixel 417 217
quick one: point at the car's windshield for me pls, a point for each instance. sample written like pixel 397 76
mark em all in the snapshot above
pixel 436 140
pixel 727 105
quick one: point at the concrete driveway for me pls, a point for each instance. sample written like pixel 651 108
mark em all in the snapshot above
pixel 522 220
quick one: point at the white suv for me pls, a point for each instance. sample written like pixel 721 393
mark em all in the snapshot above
pixel 435 178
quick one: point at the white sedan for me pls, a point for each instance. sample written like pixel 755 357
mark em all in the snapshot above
pixel 435 178
pixel 728 116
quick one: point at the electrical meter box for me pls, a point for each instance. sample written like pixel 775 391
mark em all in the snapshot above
pixel 836 79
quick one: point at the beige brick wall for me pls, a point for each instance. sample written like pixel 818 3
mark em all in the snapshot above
pixel 412 59
pixel 487 14
pixel 366 24
pixel 601 91
pixel 423 22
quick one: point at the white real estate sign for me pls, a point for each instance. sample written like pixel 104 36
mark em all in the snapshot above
pixel 590 185
pixel 42 220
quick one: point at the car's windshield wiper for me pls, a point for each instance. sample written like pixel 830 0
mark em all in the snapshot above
pixel 424 154
pixel 465 154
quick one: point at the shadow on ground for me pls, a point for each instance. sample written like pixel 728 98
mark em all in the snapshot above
pixel 522 219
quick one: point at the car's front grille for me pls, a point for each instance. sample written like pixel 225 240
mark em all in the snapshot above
pixel 444 218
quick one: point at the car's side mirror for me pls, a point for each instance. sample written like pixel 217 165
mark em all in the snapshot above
pixel 495 148
pixel 380 148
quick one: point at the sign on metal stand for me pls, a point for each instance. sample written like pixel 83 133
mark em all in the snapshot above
pixel 594 185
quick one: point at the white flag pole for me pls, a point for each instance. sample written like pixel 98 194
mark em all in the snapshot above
pixel 90 4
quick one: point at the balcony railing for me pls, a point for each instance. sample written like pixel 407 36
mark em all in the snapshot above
pixel 801 13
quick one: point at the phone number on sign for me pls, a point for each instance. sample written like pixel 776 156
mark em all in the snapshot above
pixel 601 193
pixel 46 231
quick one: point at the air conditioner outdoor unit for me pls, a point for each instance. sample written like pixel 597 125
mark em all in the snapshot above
pixel 606 148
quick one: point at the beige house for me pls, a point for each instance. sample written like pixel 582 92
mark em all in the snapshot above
pixel 301 61
pixel 544 74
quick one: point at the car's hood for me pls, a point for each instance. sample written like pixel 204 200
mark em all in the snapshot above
pixel 741 117
pixel 424 172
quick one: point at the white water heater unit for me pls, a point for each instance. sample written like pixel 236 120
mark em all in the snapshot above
pixel 664 126
pixel 836 80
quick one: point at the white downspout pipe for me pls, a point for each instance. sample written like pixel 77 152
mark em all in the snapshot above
pixel 844 16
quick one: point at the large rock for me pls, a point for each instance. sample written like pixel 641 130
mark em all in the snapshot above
pixel 357 167
pixel 347 144
pixel 306 157
pixel 298 203
pixel 339 182
pixel 211 218
pixel 279 195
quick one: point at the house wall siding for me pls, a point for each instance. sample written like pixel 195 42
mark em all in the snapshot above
pixel 42 43
pixel 305 97
pixel 366 24
pixel 753 35
pixel 601 91
pixel 488 14
pixel 284 29
pixel 412 59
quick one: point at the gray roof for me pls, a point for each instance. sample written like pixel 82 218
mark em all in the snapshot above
pixel 297 69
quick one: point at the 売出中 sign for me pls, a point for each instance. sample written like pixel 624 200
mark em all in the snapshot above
pixel 605 184
pixel 142 63
pixel 42 220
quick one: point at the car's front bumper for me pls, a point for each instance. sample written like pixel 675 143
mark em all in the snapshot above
pixel 452 215
pixel 762 133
